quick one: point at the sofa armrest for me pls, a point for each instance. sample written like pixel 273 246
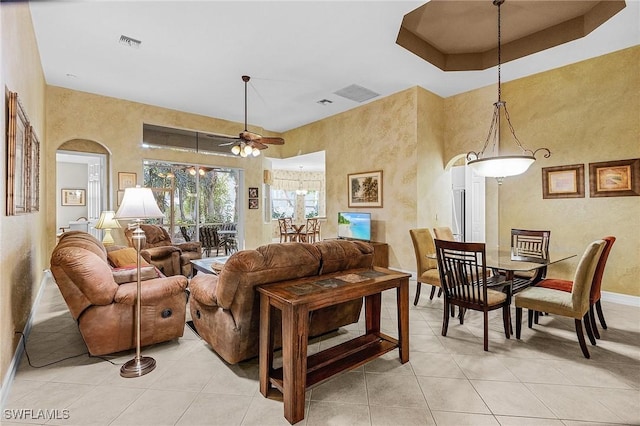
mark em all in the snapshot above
pixel 194 246
pixel 129 274
pixel 203 288
pixel 159 253
pixel 152 291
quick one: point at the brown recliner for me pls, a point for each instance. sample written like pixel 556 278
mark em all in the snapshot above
pixel 104 305
pixel 170 258
pixel 225 308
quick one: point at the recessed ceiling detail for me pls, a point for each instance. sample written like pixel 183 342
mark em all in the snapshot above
pixel 356 93
pixel 461 35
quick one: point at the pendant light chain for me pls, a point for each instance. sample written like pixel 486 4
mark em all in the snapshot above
pixel 498 3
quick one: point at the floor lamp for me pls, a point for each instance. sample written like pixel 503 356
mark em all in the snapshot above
pixel 107 222
pixel 138 204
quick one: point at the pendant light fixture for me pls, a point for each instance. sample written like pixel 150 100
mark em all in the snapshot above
pixel 498 166
pixel 301 190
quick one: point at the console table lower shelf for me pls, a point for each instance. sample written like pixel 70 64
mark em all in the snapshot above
pixel 295 299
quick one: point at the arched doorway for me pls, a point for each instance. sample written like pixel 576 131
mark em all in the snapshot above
pixel 82 185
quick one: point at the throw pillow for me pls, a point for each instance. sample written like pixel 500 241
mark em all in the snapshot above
pixel 125 257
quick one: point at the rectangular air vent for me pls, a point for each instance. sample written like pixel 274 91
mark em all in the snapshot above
pixel 357 93
pixel 131 42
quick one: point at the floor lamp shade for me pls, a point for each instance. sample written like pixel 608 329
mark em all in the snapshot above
pixel 138 203
pixel 107 222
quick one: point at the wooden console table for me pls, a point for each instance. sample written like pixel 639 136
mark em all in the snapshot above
pixel 296 299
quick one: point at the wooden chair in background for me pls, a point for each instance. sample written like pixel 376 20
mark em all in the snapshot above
pixel 426 269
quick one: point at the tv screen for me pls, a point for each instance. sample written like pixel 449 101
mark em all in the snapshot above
pixel 354 225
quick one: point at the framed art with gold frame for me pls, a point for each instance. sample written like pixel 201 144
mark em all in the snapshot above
pixel 614 178
pixel 126 180
pixel 563 181
pixel 365 189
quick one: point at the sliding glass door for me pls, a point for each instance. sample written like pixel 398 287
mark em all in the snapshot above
pixel 193 196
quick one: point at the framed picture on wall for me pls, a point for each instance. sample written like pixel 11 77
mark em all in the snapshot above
pixel 17 154
pixel 563 181
pixel 614 178
pixel 253 203
pixel 253 192
pixel 34 171
pixel 126 180
pixel 73 197
pixel 365 189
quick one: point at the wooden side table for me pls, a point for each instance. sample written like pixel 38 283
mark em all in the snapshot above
pixel 295 299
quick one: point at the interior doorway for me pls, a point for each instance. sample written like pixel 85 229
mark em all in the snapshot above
pixel 81 190
pixel 467 205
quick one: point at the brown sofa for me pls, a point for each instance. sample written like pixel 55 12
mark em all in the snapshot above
pixel 102 298
pixel 170 258
pixel 225 308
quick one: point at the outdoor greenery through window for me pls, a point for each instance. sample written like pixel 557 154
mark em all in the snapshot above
pixel 191 196
pixel 283 204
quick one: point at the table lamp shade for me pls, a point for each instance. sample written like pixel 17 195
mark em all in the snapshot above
pixel 107 222
pixel 138 203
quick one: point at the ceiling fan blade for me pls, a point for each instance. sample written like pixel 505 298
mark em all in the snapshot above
pixel 258 145
pixel 272 141
pixel 250 136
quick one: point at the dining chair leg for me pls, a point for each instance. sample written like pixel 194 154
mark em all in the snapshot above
pixel 518 322
pixel 440 293
pixel 592 318
pixel 601 315
pixel 415 301
pixel 587 326
pixel 433 292
pixel 530 318
pixel 583 344
pixel 486 330
pixel 506 320
pixel 445 318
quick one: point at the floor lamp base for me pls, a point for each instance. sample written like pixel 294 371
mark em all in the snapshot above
pixel 138 367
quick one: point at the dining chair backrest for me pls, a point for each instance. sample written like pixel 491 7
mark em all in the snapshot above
pixel 596 285
pixel 443 233
pixel 208 238
pixel 583 277
pixel 185 233
pixel 422 246
pixel 530 245
pixel 310 230
pixel 463 272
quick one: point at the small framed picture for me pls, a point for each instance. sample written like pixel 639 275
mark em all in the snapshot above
pixel 563 181
pixel 365 189
pixel 126 180
pixel 253 192
pixel 253 203
pixel 614 178
pixel 73 197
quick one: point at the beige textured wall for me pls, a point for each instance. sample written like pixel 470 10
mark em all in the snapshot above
pixel 584 113
pixel 22 250
pixel 117 125
pixel 382 135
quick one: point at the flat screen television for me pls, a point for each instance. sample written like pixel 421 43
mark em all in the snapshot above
pixel 354 225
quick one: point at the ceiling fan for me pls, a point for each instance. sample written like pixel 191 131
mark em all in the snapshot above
pixel 249 143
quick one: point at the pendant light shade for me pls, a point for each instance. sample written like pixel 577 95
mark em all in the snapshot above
pixel 500 166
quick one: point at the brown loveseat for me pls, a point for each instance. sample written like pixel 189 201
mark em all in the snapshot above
pixel 225 309
pixel 102 299
pixel 171 259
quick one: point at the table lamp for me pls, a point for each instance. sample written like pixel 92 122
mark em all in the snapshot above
pixel 138 204
pixel 107 222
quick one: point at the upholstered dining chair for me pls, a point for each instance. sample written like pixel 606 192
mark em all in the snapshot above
pixel 596 286
pixel 426 269
pixel 574 304
pixel 465 278
pixel 443 233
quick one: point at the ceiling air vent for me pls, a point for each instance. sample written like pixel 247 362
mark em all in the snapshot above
pixel 357 93
pixel 324 102
pixel 131 42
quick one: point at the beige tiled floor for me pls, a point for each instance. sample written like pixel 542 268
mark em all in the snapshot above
pixel 540 380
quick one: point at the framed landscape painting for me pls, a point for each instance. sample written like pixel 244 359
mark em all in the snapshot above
pixel 614 178
pixel 563 181
pixel 365 189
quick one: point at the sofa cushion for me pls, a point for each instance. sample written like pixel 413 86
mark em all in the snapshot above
pixel 125 257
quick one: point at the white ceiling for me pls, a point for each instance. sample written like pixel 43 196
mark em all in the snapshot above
pixel 194 53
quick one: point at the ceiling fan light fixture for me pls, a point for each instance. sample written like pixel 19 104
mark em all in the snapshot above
pixel 498 166
pixel 248 149
pixel 255 152
pixel 236 149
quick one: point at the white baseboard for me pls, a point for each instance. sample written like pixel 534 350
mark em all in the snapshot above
pixel 622 299
pixel 17 356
